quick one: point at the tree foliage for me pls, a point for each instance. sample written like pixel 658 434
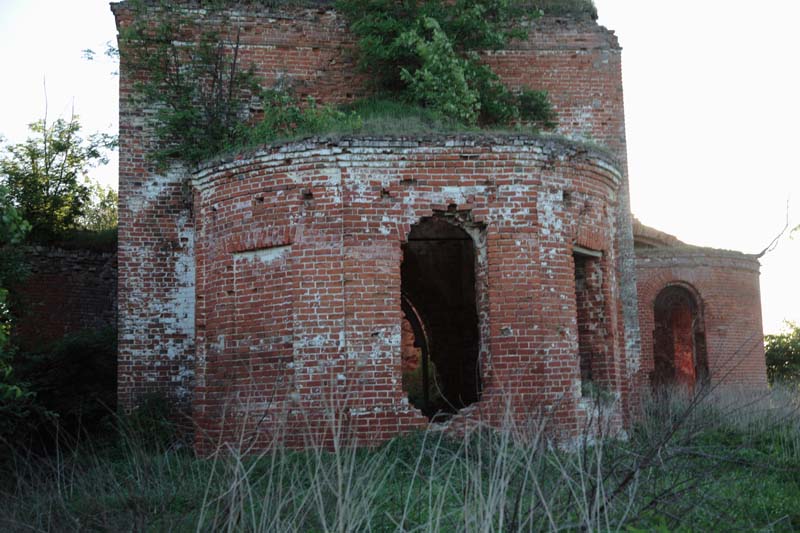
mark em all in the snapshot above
pixel 12 232
pixel 206 100
pixel 194 79
pixel 101 212
pixel 47 175
pixel 427 52
pixel 783 355
pixel 14 395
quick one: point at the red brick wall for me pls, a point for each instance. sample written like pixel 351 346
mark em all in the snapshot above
pixel 65 291
pixel 577 61
pixel 332 216
pixel 727 287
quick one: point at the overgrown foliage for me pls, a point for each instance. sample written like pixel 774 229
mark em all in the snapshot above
pixel 783 355
pixel 15 397
pixel 75 378
pixel 47 179
pixel 689 465
pixel 200 90
pixel 66 391
pixel 285 117
pixel 423 55
pixel 427 52
pixel 569 8
pixel 102 214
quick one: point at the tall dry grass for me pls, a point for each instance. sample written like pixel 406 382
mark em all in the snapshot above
pixel 685 464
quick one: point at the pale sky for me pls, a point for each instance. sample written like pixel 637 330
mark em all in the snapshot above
pixel 710 101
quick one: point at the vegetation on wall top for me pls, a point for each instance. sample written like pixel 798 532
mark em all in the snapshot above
pixel 427 53
pixel 423 56
pixel 567 8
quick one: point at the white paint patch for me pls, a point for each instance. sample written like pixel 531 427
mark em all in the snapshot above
pixel 264 255
pixel 549 203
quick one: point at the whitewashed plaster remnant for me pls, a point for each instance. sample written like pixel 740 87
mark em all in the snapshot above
pixel 262 255
pixel 549 203
pixel 384 337
pixel 152 188
pixel 184 376
pixel 180 297
pixel 460 195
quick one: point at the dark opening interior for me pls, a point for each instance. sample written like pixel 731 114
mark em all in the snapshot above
pixel 440 327
pixel 679 348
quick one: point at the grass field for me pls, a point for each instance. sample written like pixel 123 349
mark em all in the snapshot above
pixel 721 462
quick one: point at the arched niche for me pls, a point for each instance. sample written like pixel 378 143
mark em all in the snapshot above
pixel 679 344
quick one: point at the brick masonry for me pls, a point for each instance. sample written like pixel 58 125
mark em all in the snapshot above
pixel 66 290
pixel 259 288
pixel 298 273
pixel 725 287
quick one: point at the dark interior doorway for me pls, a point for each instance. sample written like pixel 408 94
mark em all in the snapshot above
pixel 440 329
pixel 679 345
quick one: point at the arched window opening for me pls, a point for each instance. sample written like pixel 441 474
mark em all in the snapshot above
pixel 440 327
pixel 679 348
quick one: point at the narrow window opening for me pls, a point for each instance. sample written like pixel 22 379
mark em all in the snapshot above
pixel 440 340
pixel 590 318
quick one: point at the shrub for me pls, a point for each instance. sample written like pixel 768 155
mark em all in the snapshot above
pixel 199 89
pixel 783 355
pixel 75 378
pixel 284 117
pixel 427 53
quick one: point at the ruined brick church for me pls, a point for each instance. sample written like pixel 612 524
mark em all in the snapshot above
pixel 401 281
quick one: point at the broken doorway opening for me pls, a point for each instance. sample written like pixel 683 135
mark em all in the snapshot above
pixel 440 331
pixel 679 344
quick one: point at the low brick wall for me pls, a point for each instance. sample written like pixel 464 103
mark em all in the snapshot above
pixel 66 291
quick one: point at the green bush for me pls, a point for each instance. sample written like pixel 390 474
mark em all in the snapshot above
pixel 427 53
pixel 440 81
pixel 285 118
pixel 420 53
pixel 783 355
pixel 75 378
pixel 200 92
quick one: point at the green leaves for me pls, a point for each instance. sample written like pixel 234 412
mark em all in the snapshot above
pixel 46 177
pixel 12 226
pixel 423 53
pixel 284 117
pixel 427 53
pixel 783 355
pixel 440 82
pixel 193 79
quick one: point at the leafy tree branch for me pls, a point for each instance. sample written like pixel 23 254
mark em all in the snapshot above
pixel 46 176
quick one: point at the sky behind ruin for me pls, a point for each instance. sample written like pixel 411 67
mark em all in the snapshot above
pixel 710 101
